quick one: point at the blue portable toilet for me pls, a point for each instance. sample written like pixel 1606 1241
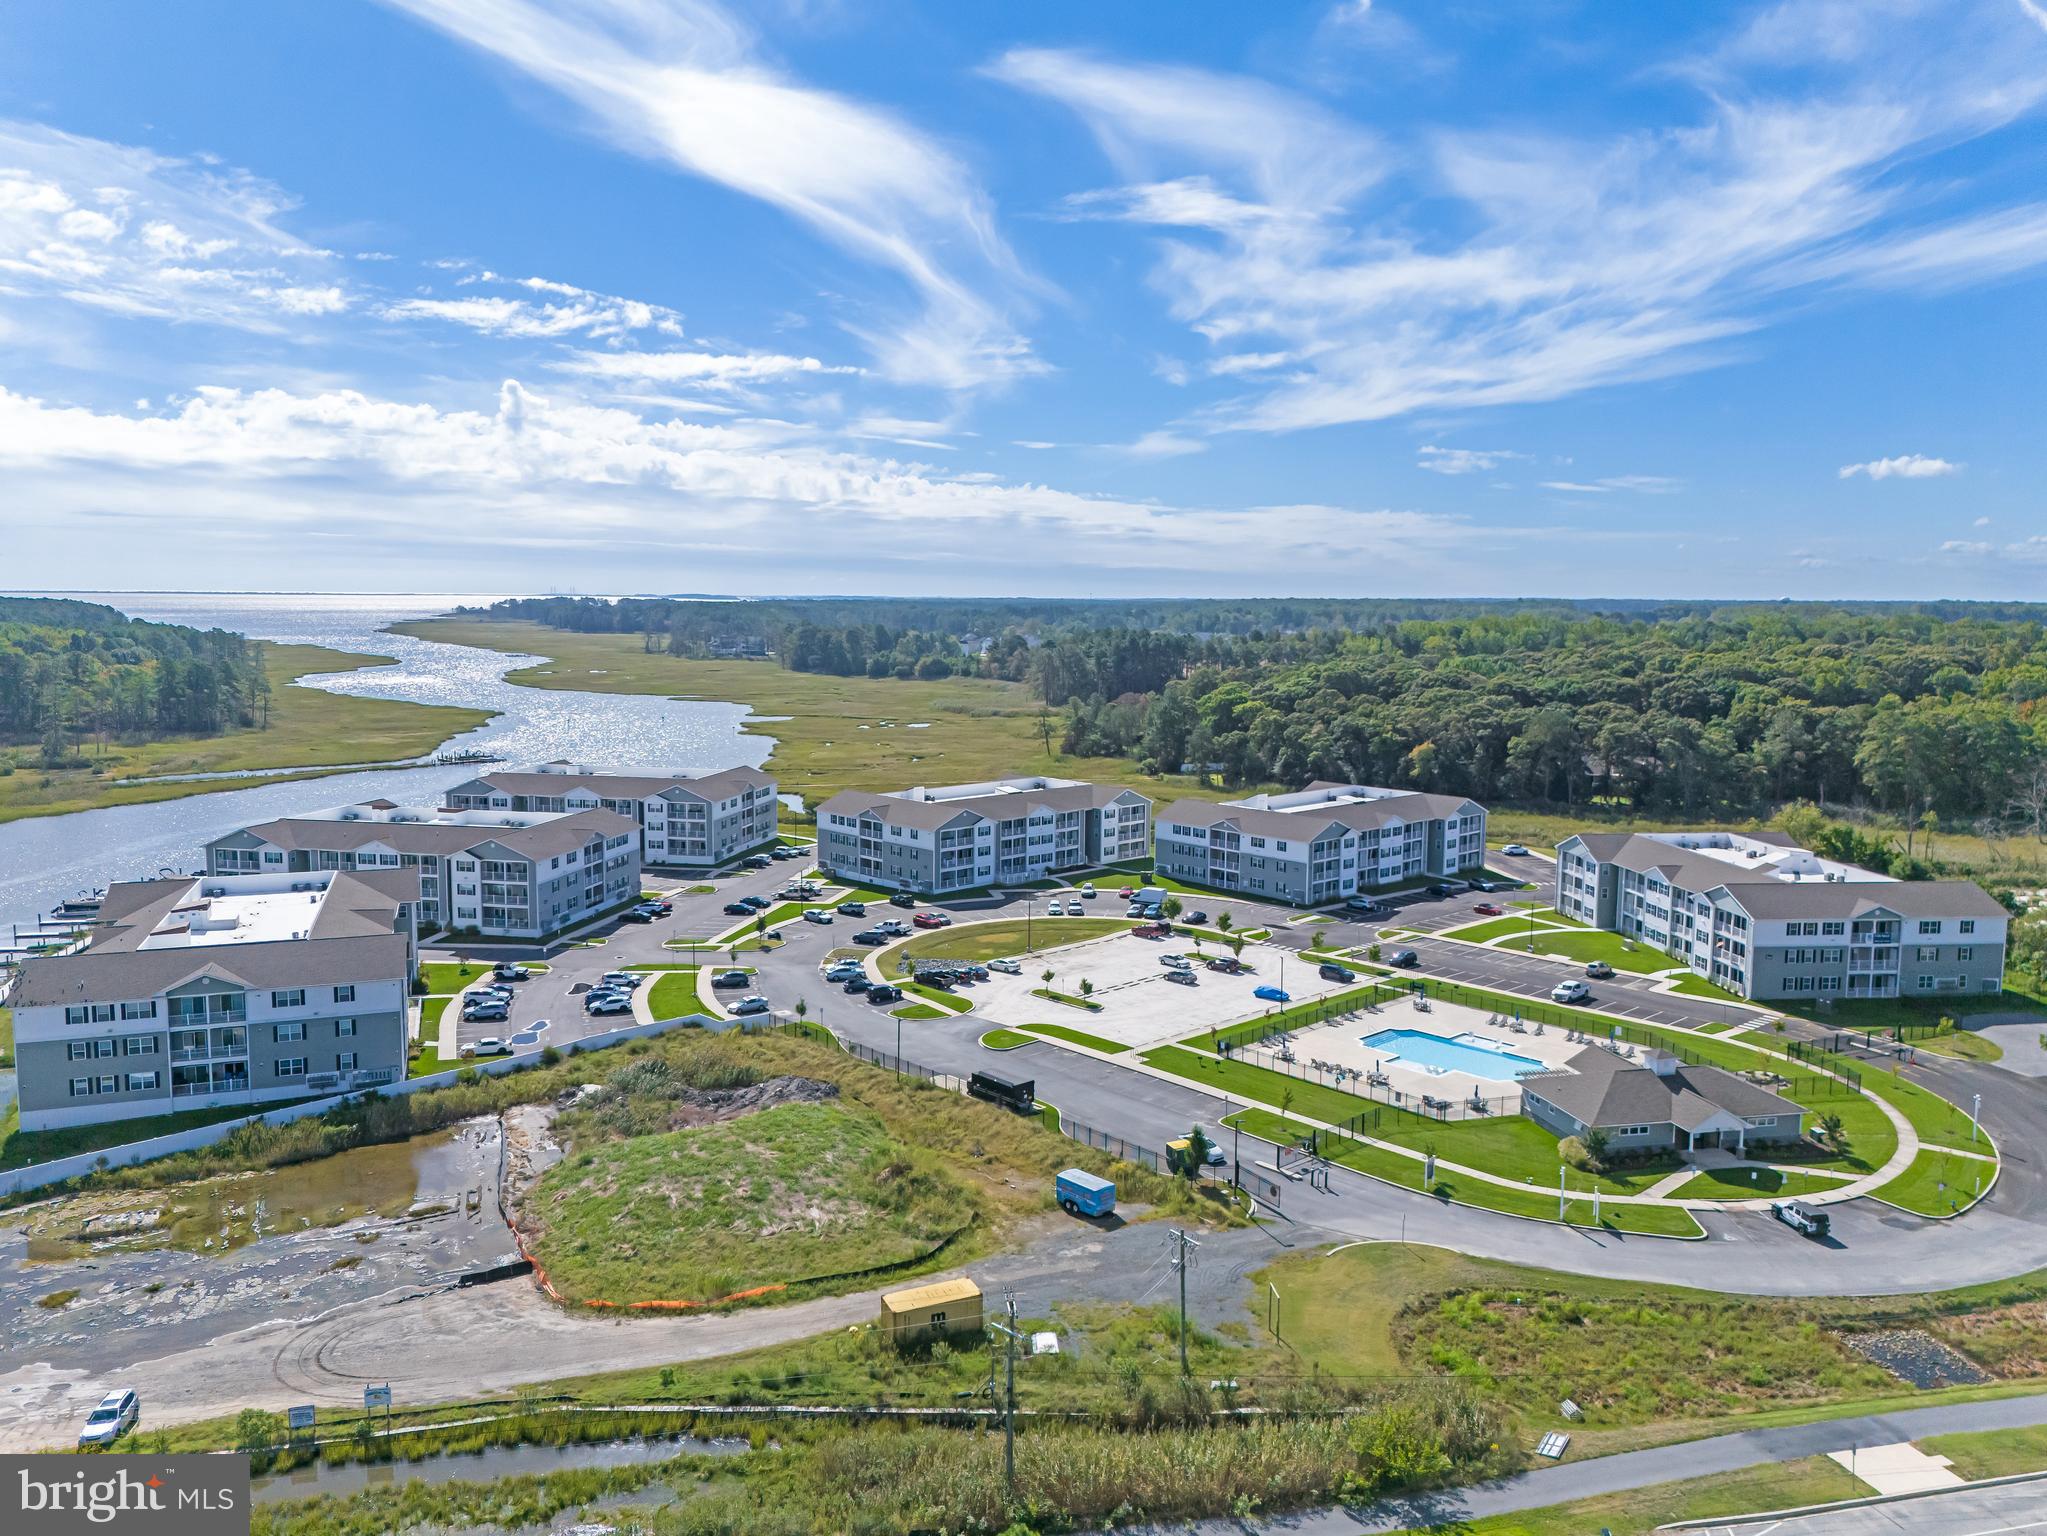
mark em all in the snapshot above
pixel 1085 1194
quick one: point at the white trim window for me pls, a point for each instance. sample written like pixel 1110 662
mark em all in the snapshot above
pixel 281 1033
pixel 291 1066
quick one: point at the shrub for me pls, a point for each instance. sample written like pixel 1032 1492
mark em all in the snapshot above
pixel 1574 1152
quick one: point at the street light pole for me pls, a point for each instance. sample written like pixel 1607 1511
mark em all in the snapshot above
pixel 1976 1117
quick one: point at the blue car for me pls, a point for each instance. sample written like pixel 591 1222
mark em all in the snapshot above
pixel 1271 994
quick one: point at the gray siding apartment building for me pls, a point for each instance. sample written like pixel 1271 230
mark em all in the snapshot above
pixel 1322 843
pixel 197 993
pixel 496 874
pixel 684 823
pixel 1758 915
pixel 936 841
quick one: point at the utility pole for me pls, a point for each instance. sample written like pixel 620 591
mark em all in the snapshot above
pixel 1181 1243
pixel 1009 1392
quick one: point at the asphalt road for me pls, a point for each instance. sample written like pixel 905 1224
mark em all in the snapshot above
pixel 1569 1481
pixel 2002 1510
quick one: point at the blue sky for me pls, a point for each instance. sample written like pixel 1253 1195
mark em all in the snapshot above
pixel 817 295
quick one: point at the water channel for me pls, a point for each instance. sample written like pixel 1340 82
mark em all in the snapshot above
pixel 45 859
pixel 487 1466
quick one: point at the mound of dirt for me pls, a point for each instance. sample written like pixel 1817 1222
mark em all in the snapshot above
pixel 702 1106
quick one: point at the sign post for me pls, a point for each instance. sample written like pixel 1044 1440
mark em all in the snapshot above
pixel 374 1398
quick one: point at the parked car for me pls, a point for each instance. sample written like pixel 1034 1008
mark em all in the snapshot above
pixel 1176 962
pixel 784 851
pixel 932 920
pixel 853 908
pixel 1333 972
pixel 1270 995
pixel 1088 890
pixel 626 979
pixel 1440 889
pixel 1795 1214
pixel 894 927
pixel 492 991
pixel 738 909
pixel 599 1004
pixel 729 979
pixel 1195 919
pixel 1229 965
pixel 1598 970
pixel 903 899
pixel 1516 850
pixel 1057 909
pixel 485 1013
pixel 754 1004
pixel 1215 1158
pixel 816 915
pixel 638 915
pixel 1570 992
pixel 1184 978
pixel 661 904
pixel 885 994
pixel 755 903
pixel 1406 959
pixel 1362 905
pixel 758 860
pixel 870 936
pixel 114 1417
pixel 978 972
pixel 491 1045
pixel 1152 931
pixel 858 982
pixel 1127 892
pixel 1007 966
pixel 1154 909
pixel 505 970
pixel 842 970
pixel 1488 909
pixel 1136 910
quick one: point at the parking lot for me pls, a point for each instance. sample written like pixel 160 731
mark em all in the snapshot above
pixel 1139 1005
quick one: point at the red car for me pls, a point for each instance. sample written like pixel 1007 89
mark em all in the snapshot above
pixel 1488 909
pixel 1127 892
pixel 932 920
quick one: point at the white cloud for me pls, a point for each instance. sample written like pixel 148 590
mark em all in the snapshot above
pixel 1909 466
pixel 1462 461
pixel 128 232
pixel 683 83
pixel 708 368
pixel 1646 485
pixel 1027 442
pixel 1562 264
pixel 1162 445
pixel 1981 522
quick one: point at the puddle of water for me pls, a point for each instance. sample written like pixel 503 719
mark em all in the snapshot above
pixel 485 1466
pixel 222 1214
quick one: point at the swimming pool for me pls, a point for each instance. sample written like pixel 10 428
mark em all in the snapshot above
pixel 1466 1053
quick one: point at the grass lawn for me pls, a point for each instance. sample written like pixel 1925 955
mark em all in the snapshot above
pixel 1698 986
pixel 430 1011
pixel 674 994
pixel 840 732
pixel 24 1147
pixel 427 1063
pixel 945 1001
pixel 1068 998
pixel 1500 928
pixel 448 976
pixel 982 942
pixel 1991 1453
pixel 1886 1015
pixel 1005 1040
pixel 799 1193
pixel 308 728
pixel 1937 1183
pixel 1591 944
pixel 918 1011
pixel 1752 1184
pixel 6 1034
pixel 1533 1202
pixel 1963 1045
pixel 1076 1037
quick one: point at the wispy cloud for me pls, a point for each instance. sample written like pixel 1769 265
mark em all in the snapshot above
pixel 1462 461
pixel 707 368
pixel 1645 485
pixel 1909 466
pixel 684 83
pixel 1161 445
pixel 1568 263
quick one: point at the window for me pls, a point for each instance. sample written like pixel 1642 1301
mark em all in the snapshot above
pixel 1965 953
pixel 139 1010
pixel 109 1084
pixel 77 1015
pixel 344 994
pixel 1925 983
pixel 291 1066
pixel 344 1027
pixel 1830 983
pixel 1968 925
pixel 1929 925
pixel 141 1082
pixel 283 1032
pixel 81 1087
pixel 1833 930
pixel 344 1061
pixel 139 1045
pixel 293 998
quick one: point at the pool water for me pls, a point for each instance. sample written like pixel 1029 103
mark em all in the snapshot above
pixel 1466 1053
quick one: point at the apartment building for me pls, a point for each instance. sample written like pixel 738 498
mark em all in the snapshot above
pixel 1762 917
pixel 963 836
pixel 219 991
pixel 1322 843
pixel 684 823
pixel 494 874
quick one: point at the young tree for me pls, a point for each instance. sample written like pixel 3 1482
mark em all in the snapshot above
pixel 1596 1144
pixel 1087 988
pixel 1224 923
pixel 1830 1129
pixel 1171 908
pixel 1046 976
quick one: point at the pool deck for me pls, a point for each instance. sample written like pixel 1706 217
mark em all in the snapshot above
pixel 1341 1044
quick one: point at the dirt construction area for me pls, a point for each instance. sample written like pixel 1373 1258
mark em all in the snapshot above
pixel 1138 1004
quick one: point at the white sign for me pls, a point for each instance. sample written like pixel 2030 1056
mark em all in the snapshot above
pixel 376 1397
pixel 299 1418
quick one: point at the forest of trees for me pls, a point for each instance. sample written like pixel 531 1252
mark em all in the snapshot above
pixel 72 670
pixel 1677 709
